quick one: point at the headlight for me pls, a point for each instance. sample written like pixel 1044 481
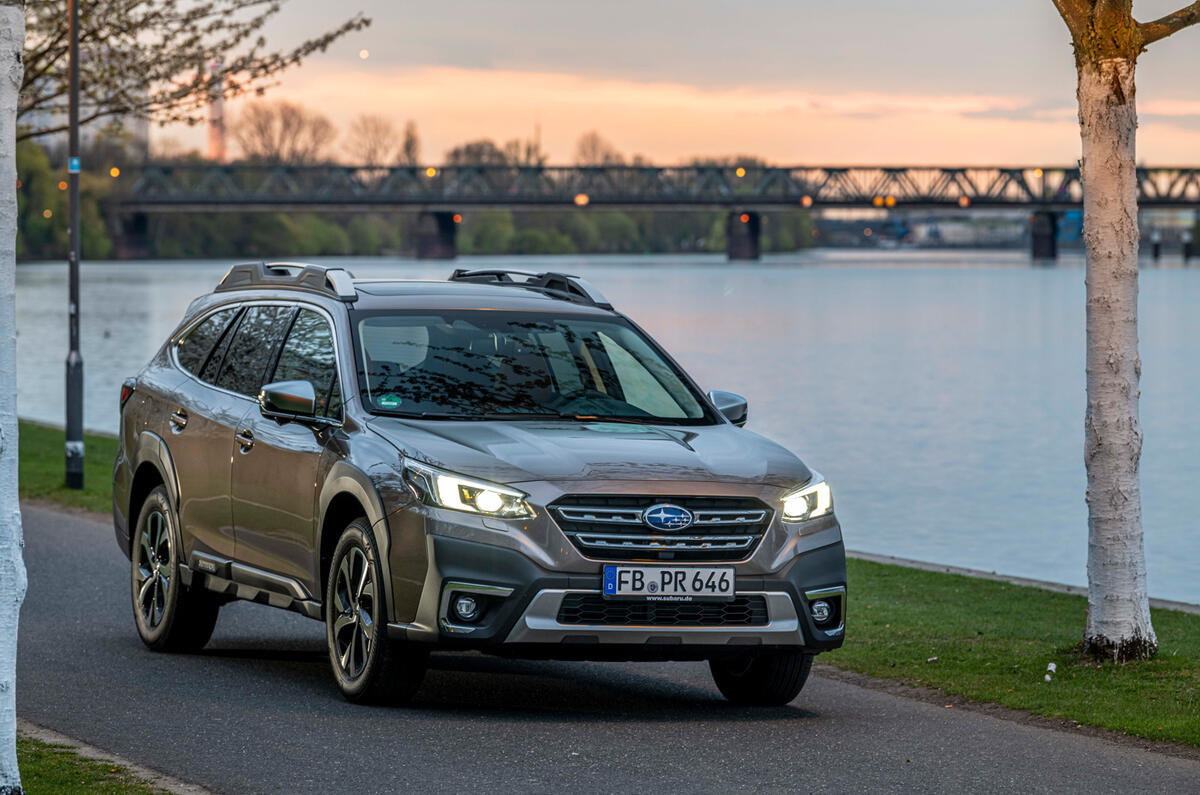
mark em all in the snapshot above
pixel 447 490
pixel 809 501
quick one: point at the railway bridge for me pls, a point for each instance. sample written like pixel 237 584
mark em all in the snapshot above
pixel 441 193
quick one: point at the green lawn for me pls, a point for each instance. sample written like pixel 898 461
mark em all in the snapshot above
pixel 993 642
pixel 42 468
pixel 53 769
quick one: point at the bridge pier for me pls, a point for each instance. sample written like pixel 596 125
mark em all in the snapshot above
pixel 436 233
pixel 131 234
pixel 743 235
pixel 1044 226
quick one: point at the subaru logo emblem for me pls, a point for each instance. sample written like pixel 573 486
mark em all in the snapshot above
pixel 667 517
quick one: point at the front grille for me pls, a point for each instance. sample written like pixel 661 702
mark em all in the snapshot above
pixel 593 609
pixel 605 527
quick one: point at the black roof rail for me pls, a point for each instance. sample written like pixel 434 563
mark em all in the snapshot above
pixel 558 285
pixel 327 280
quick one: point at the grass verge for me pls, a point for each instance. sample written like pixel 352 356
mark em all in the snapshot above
pixel 52 769
pixel 42 462
pixel 990 641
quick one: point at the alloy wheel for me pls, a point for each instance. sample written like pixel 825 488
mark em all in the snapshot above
pixel 354 605
pixel 154 569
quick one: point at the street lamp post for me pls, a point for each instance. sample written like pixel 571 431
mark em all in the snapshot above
pixel 74 447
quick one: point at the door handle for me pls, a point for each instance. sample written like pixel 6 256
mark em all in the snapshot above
pixel 178 419
pixel 245 438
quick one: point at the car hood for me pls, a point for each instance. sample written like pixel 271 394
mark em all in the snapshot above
pixel 520 451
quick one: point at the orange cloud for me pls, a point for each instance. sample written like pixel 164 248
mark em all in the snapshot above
pixel 668 121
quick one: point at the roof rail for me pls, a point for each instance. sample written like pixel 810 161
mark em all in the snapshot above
pixel 334 281
pixel 558 285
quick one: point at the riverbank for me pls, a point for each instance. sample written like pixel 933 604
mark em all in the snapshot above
pixel 980 639
pixel 993 642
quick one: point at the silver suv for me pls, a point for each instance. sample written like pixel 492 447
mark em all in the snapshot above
pixel 499 462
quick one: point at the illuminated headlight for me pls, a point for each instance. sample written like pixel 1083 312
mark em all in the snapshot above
pixel 809 501
pixel 447 490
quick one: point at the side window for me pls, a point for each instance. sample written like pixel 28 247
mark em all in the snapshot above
pixel 213 365
pixel 254 344
pixel 308 355
pixel 193 349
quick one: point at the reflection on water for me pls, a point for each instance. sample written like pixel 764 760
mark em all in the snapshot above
pixel 941 394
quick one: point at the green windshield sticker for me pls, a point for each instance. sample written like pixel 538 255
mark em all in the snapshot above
pixel 389 402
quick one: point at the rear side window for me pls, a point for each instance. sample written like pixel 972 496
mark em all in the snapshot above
pixel 193 349
pixel 308 355
pixel 253 348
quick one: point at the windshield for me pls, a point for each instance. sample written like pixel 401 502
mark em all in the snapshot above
pixel 493 365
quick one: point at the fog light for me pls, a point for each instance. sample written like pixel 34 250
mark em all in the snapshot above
pixel 466 607
pixel 821 611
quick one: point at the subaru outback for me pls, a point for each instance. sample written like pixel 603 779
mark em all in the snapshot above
pixel 499 462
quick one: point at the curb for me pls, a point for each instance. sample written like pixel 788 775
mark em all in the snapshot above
pixel 1045 585
pixel 152 777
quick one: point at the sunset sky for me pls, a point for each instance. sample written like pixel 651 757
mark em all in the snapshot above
pixel 793 81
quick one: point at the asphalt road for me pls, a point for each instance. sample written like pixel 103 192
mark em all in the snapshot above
pixel 258 712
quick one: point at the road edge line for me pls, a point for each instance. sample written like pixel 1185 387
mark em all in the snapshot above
pixel 153 777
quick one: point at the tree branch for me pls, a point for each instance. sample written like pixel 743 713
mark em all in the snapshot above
pixel 1170 24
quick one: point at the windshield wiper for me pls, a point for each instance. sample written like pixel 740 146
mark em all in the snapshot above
pixel 573 417
pixel 421 415
pixel 501 417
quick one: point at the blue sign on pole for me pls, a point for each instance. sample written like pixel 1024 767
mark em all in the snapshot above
pixel 73 165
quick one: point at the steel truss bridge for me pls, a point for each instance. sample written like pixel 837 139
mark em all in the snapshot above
pixel 162 187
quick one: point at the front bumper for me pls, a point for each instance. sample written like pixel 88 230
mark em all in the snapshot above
pixel 522 600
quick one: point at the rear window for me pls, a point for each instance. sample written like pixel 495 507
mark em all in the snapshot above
pixel 193 349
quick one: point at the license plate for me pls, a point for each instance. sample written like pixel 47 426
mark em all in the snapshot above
pixel 669 583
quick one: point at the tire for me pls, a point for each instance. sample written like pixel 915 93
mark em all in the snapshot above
pixel 168 615
pixel 367 666
pixel 767 679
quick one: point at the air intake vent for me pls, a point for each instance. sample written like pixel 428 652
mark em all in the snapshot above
pixel 594 610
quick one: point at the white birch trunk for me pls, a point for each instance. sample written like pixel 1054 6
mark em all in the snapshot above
pixel 12 567
pixel 1118 623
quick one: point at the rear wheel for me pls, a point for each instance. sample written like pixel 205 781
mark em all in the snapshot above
pixel 766 679
pixel 169 616
pixel 368 667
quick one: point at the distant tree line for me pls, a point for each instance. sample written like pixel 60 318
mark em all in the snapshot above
pixel 282 132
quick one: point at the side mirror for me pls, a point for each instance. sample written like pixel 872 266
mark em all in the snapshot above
pixel 288 400
pixel 733 407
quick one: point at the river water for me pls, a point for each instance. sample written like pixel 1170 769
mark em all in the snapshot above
pixel 942 394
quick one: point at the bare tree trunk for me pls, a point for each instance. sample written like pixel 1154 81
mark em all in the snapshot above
pixel 1118 625
pixel 12 567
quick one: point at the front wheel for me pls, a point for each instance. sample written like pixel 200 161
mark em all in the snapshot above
pixel 169 616
pixel 368 667
pixel 764 679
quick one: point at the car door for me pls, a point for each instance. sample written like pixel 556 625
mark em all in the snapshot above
pixel 223 397
pixel 198 422
pixel 276 470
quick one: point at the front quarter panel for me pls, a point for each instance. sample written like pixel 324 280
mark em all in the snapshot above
pixel 364 470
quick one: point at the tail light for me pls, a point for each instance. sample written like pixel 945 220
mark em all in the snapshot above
pixel 127 389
